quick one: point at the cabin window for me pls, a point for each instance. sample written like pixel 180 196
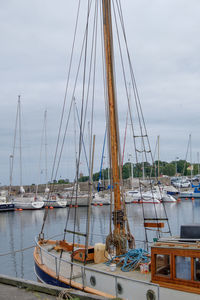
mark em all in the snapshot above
pixel 183 267
pixel 163 265
pixel 197 269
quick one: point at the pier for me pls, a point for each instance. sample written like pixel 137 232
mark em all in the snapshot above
pixel 17 288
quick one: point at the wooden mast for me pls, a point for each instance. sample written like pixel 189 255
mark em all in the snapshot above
pixel 119 227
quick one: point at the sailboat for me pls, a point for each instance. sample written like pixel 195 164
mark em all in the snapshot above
pixel 49 199
pixel 99 269
pixel 23 200
pixel 5 203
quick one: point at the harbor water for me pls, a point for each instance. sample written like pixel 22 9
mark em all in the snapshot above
pixel 18 229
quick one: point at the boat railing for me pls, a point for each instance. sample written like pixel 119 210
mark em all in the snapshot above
pixel 87 276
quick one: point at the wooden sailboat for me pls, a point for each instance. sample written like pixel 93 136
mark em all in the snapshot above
pixel 80 266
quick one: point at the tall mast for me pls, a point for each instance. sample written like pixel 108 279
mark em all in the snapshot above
pixel 158 156
pixel 191 165
pixel 45 144
pixel 113 118
pixel 20 143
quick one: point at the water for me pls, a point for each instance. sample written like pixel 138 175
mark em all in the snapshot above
pixel 19 229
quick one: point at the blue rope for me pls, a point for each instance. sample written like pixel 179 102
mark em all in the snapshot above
pixel 131 259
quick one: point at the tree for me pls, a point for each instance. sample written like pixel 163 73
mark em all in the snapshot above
pixel 169 169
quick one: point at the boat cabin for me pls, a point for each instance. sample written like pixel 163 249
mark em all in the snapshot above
pixel 175 262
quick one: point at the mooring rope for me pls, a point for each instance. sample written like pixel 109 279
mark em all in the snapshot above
pixel 65 294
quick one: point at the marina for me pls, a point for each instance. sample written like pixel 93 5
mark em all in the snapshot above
pixel 94 213
pixel 19 229
pixel 30 290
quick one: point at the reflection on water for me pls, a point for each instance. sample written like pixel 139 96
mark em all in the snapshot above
pixel 19 229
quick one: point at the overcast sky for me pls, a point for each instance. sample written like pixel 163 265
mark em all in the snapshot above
pixel 35 44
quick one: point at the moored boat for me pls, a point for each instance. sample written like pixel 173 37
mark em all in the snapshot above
pixel 195 193
pixel 5 203
pixel 135 196
pixel 28 202
pixel 116 268
pixel 54 201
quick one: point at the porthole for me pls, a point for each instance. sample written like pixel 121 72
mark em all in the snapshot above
pixel 151 295
pixel 93 280
pixel 119 288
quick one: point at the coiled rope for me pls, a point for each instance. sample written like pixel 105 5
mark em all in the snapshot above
pixel 131 259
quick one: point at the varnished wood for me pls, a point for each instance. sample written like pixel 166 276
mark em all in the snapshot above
pixel 80 255
pixel 108 49
pixel 192 268
pixel 183 288
pixel 155 225
pixel 172 281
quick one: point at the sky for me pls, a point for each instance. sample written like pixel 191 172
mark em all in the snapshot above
pixel 35 47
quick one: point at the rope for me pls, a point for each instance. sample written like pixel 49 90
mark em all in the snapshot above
pixel 27 248
pixel 131 259
pixel 66 92
pixel 64 295
pixel 20 250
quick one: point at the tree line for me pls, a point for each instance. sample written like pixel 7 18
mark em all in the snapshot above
pixel 172 168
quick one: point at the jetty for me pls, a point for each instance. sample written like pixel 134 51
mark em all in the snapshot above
pixel 17 288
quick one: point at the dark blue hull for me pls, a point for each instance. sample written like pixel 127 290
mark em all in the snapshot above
pixel 46 278
pixel 7 207
pixel 172 193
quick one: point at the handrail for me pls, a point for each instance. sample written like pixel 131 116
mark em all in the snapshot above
pixel 96 271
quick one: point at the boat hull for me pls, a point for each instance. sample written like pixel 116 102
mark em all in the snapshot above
pixel 55 203
pixel 90 278
pixel 29 205
pixel 80 201
pixel 7 207
pixel 109 284
pixel 189 195
pixel 44 277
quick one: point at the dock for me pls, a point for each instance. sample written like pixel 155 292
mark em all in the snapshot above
pixel 17 289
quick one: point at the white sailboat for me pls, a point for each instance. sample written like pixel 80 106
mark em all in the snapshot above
pixel 23 200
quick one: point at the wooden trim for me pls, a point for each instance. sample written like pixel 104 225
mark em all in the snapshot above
pixel 183 288
pixel 177 251
pixel 192 268
pixel 173 266
pixel 175 244
pixel 173 282
pixel 157 225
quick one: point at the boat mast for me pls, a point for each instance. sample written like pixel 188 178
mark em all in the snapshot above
pixel 20 143
pixel 45 146
pixel 191 165
pixel 119 226
pixel 158 157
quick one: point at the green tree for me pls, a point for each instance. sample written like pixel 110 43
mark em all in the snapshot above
pixel 169 169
